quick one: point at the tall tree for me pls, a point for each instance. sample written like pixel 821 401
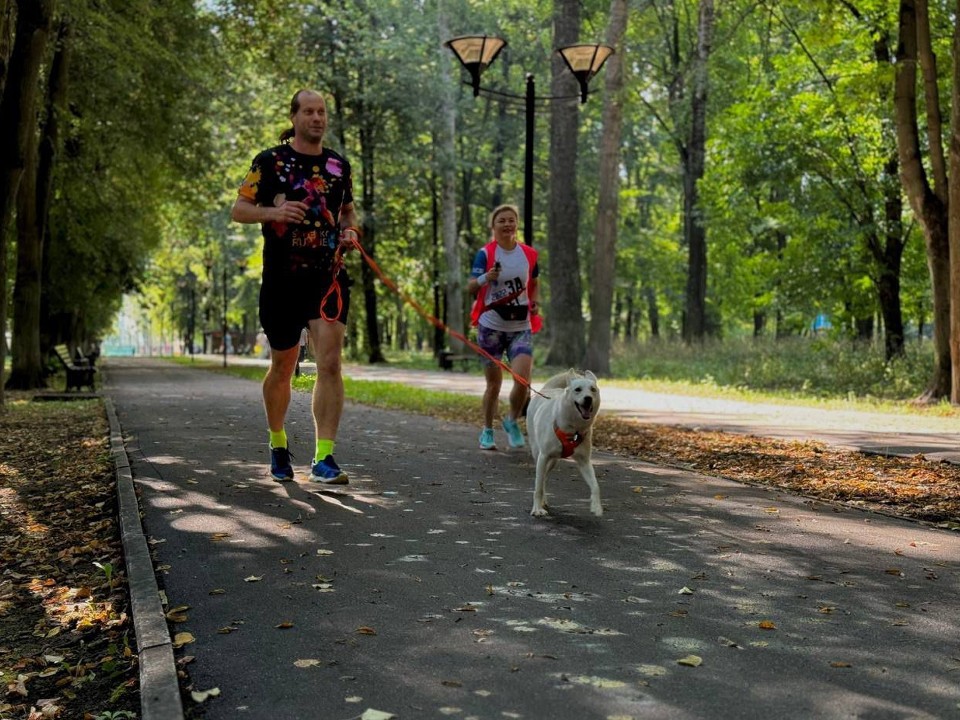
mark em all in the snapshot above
pixel 18 125
pixel 930 201
pixel 33 209
pixel 693 153
pixel 605 247
pixel 565 319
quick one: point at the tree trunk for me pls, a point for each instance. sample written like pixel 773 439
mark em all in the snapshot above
pixel 33 208
pixel 7 17
pixel 953 218
pixel 25 371
pixel 929 204
pixel 446 155
pixel 605 248
pixel 695 232
pixel 17 125
pixel 888 256
pixel 889 260
pixel 367 141
pixel 565 319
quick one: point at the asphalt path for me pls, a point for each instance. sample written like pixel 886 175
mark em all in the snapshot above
pixel 424 589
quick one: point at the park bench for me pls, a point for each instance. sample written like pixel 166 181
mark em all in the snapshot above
pixel 80 373
pixel 447 360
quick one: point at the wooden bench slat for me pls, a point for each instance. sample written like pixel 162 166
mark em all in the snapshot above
pixel 78 376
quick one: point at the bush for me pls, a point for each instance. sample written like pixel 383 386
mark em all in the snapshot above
pixel 808 366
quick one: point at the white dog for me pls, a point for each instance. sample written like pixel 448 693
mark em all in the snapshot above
pixel 560 425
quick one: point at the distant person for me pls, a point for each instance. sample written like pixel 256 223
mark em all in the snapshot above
pixel 504 280
pixel 263 345
pixel 303 351
pixel 302 195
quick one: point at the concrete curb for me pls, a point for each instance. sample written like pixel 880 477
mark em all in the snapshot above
pixel 159 686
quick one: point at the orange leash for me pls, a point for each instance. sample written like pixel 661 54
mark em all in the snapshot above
pixel 334 288
pixel 427 316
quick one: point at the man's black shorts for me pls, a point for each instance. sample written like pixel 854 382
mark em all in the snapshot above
pixel 287 305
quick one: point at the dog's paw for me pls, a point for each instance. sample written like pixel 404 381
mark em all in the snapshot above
pixel 596 508
pixel 539 512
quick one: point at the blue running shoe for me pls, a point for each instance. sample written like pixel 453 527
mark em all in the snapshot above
pixel 514 434
pixel 328 472
pixel 486 439
pixel 280 468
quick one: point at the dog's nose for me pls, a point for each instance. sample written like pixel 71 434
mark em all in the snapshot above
pixel 587 401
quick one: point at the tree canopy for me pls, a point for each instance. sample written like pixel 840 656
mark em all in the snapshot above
pixel 796 202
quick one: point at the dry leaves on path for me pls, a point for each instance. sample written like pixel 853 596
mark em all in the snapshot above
pixel 910 487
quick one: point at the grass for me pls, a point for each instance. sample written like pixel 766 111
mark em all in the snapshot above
pixel 797 370
pixel 814 372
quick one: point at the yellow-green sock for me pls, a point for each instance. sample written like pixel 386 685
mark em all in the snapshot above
pixel 278 438
pixel 324 448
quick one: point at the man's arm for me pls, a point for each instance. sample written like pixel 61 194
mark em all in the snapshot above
pixel 349 226
pixel 246 211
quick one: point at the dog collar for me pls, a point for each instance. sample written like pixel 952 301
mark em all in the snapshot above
pixel 568 441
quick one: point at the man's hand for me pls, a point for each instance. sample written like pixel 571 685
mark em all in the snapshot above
pixel 348 238
pixel 291 211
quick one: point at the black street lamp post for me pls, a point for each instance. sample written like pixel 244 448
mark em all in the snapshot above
pixel 241 264
pixel 477 52
pixel 224 313
pixel 192 322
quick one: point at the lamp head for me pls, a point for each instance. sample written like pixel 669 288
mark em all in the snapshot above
pixel 584 62
pixel 475 53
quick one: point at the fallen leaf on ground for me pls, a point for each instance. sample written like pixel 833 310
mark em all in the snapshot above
pixel 364 630
pixel 182 638
pixel 200 696
pixel 691 661
pixel 767 625
pixel 308 662
pixel 371 714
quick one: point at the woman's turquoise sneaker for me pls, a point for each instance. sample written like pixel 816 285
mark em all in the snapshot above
pixel 486 439
pixel 514 434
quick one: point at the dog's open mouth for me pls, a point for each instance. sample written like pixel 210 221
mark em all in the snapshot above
pixel 585 408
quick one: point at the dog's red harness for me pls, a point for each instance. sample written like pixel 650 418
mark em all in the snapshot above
pixel 568 441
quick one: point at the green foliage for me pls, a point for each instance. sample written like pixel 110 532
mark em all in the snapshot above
pixel 115 715
pixel 167 122
pixel 137 88
pixel 791 367
pixel 107 569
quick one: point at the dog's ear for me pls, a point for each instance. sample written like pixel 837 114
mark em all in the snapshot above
pixel 589 375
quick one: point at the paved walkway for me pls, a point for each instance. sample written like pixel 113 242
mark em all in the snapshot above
pixel 424 589
pixel 937 438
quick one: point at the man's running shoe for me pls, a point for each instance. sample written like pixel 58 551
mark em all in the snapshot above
pixel 486 439
pixel 514 434
pixel 280 468
pixel 328 472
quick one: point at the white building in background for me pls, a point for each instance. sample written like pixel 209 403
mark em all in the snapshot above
pixel 134 333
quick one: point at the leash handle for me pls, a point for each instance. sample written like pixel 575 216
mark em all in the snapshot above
pixel 335 267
